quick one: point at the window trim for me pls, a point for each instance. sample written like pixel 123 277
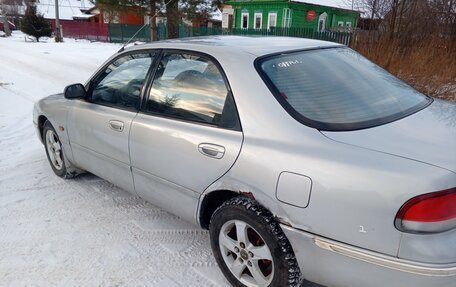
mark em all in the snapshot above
pixel 89 85
pixel 261 20
pixel 242 20
pixel 286 17
pixel 323 126
pixel 269 20
pixel 148 86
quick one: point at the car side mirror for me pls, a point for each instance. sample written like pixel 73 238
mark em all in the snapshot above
pixel 75 91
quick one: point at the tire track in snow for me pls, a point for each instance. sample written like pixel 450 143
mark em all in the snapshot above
pixel 81 232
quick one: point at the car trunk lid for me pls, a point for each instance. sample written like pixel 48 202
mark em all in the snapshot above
pixel 427 136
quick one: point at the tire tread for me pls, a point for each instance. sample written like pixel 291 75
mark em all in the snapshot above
pixel 294 273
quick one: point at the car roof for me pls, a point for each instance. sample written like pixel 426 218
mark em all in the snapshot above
pixel 258 46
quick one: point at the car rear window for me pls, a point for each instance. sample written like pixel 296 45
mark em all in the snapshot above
pixel 337 89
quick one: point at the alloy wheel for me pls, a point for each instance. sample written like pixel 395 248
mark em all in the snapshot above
pixel 246 254
pixel 54 149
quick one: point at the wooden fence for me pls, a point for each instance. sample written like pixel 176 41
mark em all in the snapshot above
pixel 84 30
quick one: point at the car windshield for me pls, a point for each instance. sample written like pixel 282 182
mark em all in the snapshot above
pixel 338 89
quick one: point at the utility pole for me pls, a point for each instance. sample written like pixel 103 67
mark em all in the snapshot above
pixel 58 29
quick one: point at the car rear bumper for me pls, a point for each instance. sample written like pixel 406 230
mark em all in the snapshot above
pixel 336 264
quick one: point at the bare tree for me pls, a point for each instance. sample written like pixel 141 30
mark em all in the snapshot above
pixel 172 18
pixel 153 20
pixel 8 7
pixel 372 9
pixel 415 40
pixel 11 7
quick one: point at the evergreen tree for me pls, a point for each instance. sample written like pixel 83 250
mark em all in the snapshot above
pixel 34 24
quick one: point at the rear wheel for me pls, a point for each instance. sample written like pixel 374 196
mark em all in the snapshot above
pixel 250 246
pixel 55 153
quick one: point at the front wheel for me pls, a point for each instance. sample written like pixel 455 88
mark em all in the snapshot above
pixel 55 154
pixel 250 247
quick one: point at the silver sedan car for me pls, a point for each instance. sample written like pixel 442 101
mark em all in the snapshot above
pixel 303 159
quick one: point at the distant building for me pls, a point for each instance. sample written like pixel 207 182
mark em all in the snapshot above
pixel 84 10
pixel 267 14
pixel 67 8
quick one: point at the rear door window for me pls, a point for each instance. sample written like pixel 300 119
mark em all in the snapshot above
pixel 192 88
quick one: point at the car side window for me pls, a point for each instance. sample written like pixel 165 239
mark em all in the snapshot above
pixel 192 88
pixel 120 84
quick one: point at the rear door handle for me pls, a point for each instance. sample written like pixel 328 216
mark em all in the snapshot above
pixel 211 150
pixel 118 126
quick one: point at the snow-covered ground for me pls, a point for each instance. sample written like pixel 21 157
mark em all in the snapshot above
pixel 84 231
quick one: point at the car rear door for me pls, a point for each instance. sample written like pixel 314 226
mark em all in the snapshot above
pixel 187 134
pixel 99 126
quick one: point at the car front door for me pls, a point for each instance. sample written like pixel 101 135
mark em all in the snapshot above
pixel 99 125
pixel 187 135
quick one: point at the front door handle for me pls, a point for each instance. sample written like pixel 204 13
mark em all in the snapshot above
pixel 211 150
pixel 118 126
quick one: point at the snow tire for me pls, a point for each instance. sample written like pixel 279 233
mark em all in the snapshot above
pixel 68 170
pixel 286 269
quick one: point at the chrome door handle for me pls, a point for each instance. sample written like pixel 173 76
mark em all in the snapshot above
pixel 118 126
pixel 211 150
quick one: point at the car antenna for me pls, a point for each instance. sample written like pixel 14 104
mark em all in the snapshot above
pixel 128 42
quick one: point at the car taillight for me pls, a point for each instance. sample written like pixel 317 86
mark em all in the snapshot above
pixel 428 213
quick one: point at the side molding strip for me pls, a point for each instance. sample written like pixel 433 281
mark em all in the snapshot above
pixel 383 261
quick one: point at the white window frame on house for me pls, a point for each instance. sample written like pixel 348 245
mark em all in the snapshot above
pixel 348 24
pixel 340 24
pixel 242 20
pixel 322 21
pixel 286 21
pixel 255 17
pixel 269 19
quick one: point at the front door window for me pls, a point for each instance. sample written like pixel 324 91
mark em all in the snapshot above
pixel 120 84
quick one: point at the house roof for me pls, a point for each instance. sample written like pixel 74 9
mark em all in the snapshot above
pixel 336 4
pixel 217 15
pixel 67 8
pixel 327 3
pixel 83 16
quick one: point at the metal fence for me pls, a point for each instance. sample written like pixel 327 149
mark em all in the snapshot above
pixel 339 37
pixel 121 33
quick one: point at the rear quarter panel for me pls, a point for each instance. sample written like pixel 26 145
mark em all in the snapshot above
pixel 356 192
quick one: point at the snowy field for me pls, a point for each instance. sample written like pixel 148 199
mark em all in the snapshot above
pixel 84 231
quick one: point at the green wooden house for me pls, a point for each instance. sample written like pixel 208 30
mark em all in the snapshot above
pixel 267 14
